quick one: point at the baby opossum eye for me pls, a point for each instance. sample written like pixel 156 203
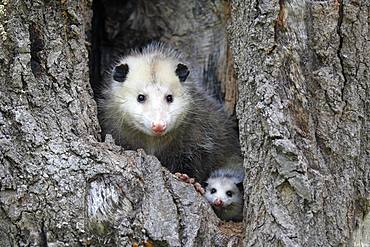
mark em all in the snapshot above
pixel 213 191
pixel 141 98
pixel 182 72
pixel 229 193
pixel 169 98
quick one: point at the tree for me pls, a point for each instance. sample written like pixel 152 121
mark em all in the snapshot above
pixel 303 76
pixel 303 108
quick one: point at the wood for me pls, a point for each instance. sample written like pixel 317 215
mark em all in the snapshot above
pixel 303 106
pixel 59 184
pixel 303 76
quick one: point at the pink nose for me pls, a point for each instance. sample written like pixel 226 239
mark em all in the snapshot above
pixel 159 127
pixel 218 203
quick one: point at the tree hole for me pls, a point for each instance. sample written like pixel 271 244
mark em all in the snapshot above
pixel 196 28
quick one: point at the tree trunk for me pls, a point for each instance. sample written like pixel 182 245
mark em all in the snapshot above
pixel 59 185
pixel 303 109
pixel 303 76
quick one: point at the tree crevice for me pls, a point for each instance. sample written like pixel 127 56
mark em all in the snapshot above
pixel 339 50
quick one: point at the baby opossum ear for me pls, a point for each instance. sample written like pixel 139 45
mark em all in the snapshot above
pixel 240 186
pixel 120 72
pixel 182 72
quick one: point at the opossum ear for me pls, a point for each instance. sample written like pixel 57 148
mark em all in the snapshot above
pixel 182 72
pixel 120 72
pixel 240 186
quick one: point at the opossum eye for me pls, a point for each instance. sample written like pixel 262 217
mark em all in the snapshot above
pixel 169 98
pixel 182 72
pixel 229 193
pixel 213 191
pixel 141 98
pixel 120 72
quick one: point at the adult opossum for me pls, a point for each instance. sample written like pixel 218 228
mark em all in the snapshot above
pixel 150 103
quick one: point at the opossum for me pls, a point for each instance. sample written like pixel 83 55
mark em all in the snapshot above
pixel 150 103
pixel 224 191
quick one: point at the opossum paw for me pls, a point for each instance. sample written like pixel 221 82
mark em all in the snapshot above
pixel 199 188
pixel 185 178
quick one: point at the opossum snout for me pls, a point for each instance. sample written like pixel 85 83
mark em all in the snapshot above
pixel 159 127
pixel 218 203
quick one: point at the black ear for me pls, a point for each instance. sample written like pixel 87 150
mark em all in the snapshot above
pixel 240 186
pixel 120 72
pixel 182 72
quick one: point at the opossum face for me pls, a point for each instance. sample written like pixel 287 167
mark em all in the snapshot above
pixel 150 94
pixel 222 192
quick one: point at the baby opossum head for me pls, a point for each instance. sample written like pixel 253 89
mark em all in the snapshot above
pixel 224 192
pixel 148 90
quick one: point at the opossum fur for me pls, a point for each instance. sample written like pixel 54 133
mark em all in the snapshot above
pixel 224 191
pixel 151 88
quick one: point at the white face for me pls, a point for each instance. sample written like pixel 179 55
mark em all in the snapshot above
pixel 222 192
pixel 151 98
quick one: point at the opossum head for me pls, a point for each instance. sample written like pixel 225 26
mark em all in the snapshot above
pixel 148 88
pixel 222 192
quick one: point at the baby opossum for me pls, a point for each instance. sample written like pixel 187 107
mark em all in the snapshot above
pixel 224 191
pixel 150 103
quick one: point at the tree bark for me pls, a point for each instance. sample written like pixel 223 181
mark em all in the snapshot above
pixel 303 76
pixel 59 185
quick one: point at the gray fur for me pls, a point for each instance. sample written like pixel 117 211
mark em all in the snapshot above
pixel 205 140
pixel 236 174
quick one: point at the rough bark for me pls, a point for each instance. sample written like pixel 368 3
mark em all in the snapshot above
pixel 59 185
pixel 303 76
